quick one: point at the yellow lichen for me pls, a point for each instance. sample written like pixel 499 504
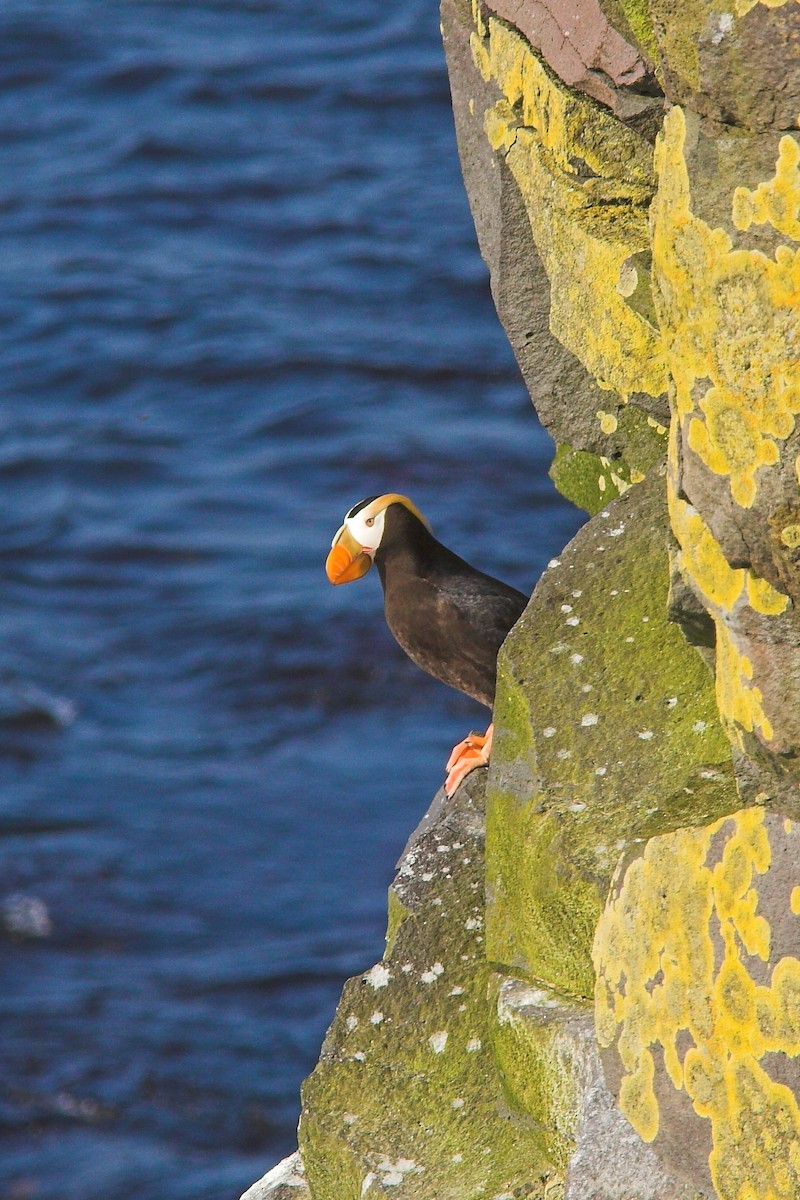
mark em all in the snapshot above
pixel 608 422
pixel 777 202
pixel 730 317
pixel 480 56
pixel 739 701
pixel 477 19
pixel 702 558
pixel 764 598
pixel 620 483
pixel 742 7
pixel 731 442
pixel 662 982
pixel 724 589
pixel 586 182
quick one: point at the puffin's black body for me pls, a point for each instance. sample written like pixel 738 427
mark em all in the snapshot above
pixel 448 617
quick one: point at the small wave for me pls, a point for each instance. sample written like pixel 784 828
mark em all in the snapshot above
pixel 25 918
pixel 265 985
pixel 24 705
pixel 159 150
pixel 133 78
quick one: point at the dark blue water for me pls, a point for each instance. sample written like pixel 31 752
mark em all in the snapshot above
pixel 239 290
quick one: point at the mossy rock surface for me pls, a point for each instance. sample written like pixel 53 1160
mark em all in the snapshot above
pixel 592 481
pixel 606 734
pixel 545 1048
pixel 406 1100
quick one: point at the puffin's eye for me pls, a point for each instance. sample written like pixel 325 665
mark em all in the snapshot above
pixel 370 521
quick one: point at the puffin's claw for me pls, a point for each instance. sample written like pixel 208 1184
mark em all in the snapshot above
pixel 473 752
pixel 473 741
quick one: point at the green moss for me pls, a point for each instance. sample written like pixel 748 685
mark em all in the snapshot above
pixel 512 727
pixel 543 913
pixel 679 26
pixel 627 741
pixel 396 915
pixel 405 1097
pixel 632 19
pixel 644 438
pixel 336 1170
pixel 591 481
pixel 584 479
pixel 637 15
pixel 539 1046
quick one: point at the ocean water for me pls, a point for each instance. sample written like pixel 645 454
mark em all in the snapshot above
pixel 239 291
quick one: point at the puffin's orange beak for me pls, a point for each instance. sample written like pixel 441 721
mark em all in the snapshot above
pixel 346 561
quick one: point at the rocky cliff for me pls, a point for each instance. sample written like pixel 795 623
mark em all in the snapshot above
pixel 591 987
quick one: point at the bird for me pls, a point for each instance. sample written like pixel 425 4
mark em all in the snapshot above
pixel 449 618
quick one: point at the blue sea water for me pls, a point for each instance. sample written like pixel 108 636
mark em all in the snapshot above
pixel 239 291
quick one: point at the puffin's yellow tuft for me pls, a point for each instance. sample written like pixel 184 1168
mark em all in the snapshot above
pixel 383 502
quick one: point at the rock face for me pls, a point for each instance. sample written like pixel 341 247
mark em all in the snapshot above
pixel 405 1099
pixel 698 982
pixel 618 1016
pixel 286 1181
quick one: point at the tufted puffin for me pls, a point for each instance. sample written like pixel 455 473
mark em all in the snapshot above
pixel 449 618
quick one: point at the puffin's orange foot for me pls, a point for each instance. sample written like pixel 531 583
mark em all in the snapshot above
pixel 473 752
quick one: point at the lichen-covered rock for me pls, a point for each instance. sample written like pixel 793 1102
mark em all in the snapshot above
pixel 698 1002
pixel 579 40
pixel 735 63
pixel 406 1100
pixel 560 189
pixel 731 324
pixel 546 1051
pixel 606 734
pixel 591 480
pixel 570 789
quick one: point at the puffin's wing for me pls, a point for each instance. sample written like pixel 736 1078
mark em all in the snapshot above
pixel 439 637
pixel 488 605
pixel 453 628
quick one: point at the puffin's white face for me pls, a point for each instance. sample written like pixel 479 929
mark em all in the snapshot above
pixel 357 540
pixel 366 527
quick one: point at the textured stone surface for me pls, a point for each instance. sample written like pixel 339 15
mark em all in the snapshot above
pixel 406 1100
pixel 734 63
pixel 580 44
pixel 731 321
pixel 286 1181
pixel 606 734
pixel 592 480
pixel 652 688
pixel 698 1001
pixel 559 189
pixel 546 1051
